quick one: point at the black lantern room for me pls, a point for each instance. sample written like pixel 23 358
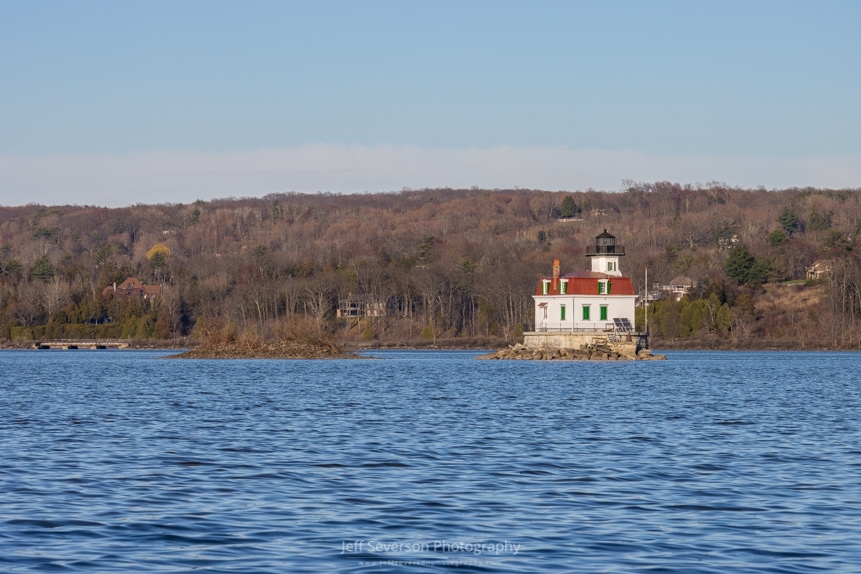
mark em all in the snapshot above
pixel 605 244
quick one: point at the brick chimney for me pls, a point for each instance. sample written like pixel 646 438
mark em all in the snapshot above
pixel 557 269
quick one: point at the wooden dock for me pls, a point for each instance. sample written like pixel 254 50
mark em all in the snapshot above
pixel 71 344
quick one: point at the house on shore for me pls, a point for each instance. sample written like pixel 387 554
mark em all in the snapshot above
pixel 678 287
pixel 132 287
pixel 819 269
pixel 583 308
pixel 358 306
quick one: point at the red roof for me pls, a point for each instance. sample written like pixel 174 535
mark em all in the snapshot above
pixel 132 287
pixel 586 283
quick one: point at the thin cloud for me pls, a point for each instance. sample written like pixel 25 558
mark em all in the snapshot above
pixel 183 176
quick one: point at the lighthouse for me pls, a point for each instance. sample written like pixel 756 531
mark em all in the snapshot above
pixel 605 255
pixel 578 308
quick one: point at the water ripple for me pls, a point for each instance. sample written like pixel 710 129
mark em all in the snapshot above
pixel 429 461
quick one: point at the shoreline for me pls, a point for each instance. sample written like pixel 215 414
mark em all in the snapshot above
pixel 351 347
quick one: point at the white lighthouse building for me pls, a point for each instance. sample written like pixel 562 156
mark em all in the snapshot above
pixel 579 308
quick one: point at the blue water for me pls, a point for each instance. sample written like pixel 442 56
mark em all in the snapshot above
pixel 429 462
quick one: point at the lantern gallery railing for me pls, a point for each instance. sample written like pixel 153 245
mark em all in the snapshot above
pixel 605 250
pixel 618 326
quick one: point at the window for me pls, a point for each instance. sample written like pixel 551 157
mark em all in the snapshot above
pixel 603 312
pixel 611 266
pixel 562 312
pixel 545 287
pixel 608 287
pixel 585 312
pixel 545 311
pixel 563 287
pixel 600 287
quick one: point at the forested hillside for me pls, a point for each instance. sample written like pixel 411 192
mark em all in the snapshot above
pixel 431 264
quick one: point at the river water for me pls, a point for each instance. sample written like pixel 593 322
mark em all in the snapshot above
pixel 429 461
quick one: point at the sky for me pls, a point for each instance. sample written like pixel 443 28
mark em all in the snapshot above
pixel 117 103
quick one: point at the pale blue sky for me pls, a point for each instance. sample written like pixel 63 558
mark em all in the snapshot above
pixel 178 100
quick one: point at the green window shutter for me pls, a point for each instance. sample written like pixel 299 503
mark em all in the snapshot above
pixel 585 312
pixel 608 287
pixel 563 287
pixel 603 312
pixel 562 313
pixel 544 286
pixel 600 287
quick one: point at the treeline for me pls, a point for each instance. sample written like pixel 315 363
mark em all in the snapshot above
pixel 427 264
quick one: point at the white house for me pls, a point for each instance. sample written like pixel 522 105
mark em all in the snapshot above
pixel 679 287
pixel 819 269
pixel 587 301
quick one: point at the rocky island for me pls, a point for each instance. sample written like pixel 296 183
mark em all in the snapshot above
pixel 599 352
pixel 293 349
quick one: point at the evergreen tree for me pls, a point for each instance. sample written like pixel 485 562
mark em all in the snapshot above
pixel 569 207
pixel 820 221
pixel 425 252
pixel 739 264
pixel 776 237
pixel 42 269
pixel 835 239
pixel 724 319
pixel 760 271
pixel 789 220
pixel 130 327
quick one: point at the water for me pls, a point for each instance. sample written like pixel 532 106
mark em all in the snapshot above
pixel 429 462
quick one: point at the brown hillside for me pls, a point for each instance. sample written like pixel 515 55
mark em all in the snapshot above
pixel 429 265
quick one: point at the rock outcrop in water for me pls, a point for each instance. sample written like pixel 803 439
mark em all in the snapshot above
pixel 600 352
pixel 277 350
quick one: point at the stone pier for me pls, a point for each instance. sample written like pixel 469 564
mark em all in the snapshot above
pixel 583 346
